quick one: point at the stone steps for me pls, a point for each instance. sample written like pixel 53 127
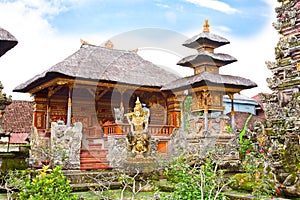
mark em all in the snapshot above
pixel 95 156
pixel 84 180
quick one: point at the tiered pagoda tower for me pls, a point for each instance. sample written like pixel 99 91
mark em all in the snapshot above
pixel 205 62
pixel 207 86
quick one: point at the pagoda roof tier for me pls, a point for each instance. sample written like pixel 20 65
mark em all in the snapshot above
pixel 205 38
pixel 7 41
pixel 210 79
pixel 103 64
pixel 219 59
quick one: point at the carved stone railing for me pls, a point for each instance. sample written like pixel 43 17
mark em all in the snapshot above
pixel 123 129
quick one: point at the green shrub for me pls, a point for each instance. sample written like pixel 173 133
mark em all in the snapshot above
pixel 47 185
pixel 196 180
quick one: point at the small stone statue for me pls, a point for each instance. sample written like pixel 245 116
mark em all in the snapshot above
pixel 119 114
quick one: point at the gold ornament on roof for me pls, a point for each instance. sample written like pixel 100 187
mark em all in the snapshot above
pixel 206 26
pixel 84 42
pixel 109 45
pixel 298 67
pixel 134 50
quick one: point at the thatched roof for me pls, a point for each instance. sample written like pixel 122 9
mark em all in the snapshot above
pixel 205 37
pixel 7 41
pixel 220 59
pixel 207 78
pixel 103 64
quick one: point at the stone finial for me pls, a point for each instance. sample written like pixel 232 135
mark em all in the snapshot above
pixel 206 26
pixel 109 45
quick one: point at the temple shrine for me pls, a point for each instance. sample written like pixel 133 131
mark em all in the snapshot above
pixel 97 86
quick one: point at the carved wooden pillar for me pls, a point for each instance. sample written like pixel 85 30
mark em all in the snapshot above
pixel 206 103
pixel 173 111
pixel 165 108
pixel 50 93
pixel 39 114
pixel 181 98
pixel 231 96
pixel 69 112
pixel 34 116
pixel 48 114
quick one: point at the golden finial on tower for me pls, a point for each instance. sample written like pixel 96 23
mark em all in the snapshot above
pixel 206 26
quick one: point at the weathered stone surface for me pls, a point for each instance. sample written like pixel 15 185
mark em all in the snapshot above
pixel 40 148
pixel 66 144
pixel 280 135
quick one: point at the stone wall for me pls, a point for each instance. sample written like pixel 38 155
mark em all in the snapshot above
pixel 62 148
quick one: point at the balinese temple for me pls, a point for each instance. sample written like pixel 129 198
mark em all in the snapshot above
pixel 97 85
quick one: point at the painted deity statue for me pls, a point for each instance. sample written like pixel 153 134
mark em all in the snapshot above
pixel 138 138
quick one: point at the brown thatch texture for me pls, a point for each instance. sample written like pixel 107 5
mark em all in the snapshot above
pixel 102 64
pixel 206 78
pixel 7 41
pixel 219 59
pixel 18 117
pixel 205 37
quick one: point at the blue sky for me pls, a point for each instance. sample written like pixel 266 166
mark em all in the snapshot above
pixel 49 31
pixel 239 17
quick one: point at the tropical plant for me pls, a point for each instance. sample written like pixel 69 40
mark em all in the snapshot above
pixel 48 184
pixel 196 178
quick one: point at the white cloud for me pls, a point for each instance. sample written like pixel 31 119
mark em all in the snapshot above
pixel 39 47
pixel 215 5
pixel 222 29
pixel 160 5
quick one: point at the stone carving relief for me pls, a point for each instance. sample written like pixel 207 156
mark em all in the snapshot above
pixel 119 114
pixel 117 151
pixel 66 144
pixel 40 148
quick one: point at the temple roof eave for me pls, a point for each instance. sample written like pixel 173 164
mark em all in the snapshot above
pixel 205 37
pixel 210 80
pixel 70 82
pixel 220 58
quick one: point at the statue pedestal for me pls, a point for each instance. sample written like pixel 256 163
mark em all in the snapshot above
pixel 140 164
